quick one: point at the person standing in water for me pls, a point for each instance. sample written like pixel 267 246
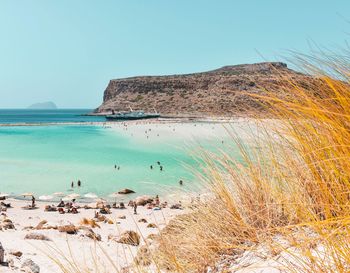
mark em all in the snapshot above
pixel 33 201
pixel 79 183
pixel 72 184
pixel 161 168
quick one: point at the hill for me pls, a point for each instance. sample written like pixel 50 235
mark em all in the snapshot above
pixel 221 92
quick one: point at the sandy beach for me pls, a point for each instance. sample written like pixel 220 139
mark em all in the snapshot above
pixel 84 251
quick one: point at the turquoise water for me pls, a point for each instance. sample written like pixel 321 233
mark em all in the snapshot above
pixel 45 159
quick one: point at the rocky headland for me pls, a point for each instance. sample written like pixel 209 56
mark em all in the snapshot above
pixel 222 92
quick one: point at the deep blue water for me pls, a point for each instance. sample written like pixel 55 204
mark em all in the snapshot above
pixel 8 116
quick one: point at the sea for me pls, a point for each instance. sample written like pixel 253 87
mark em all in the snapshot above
pixel 44 151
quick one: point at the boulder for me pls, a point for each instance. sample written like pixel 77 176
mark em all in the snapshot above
pixel 125 191
pixel 129 237
pixel 17 254
pixel 7 224
pixel 29 266
pixel 143 200
pixel 36 236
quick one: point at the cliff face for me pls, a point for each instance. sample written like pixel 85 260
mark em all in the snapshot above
pixel 220 92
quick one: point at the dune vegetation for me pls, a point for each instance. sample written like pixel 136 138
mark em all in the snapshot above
pixel 293 182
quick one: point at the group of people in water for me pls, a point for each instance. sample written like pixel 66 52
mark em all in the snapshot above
pixel 152 167
pixel 160 166
pixel 78 184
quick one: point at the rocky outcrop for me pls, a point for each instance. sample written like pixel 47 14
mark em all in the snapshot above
pixel 221 92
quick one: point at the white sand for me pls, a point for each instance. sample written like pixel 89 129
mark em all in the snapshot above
pixel 83 249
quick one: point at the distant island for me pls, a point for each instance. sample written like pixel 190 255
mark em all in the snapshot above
pixel 43 105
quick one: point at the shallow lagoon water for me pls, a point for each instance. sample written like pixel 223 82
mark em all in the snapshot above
pixel 46 159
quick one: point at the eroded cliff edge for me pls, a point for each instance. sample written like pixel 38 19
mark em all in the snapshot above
pixel 221 92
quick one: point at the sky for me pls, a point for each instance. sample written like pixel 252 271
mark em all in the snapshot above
pixel 66 51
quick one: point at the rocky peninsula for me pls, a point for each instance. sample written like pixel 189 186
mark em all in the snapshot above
pixel 222 92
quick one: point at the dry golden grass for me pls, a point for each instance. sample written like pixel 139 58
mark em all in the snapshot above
pixel 296 171
pixel 89 222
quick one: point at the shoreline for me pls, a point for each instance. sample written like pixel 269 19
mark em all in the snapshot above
pixel 145 121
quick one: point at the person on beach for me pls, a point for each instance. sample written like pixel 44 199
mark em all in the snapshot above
pixel 157 200
pixel 33 201
pixel 79 183
pixel 61 204
pixel 72 184
pixel 135 208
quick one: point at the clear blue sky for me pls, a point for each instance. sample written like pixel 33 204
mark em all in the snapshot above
pixel 66 51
